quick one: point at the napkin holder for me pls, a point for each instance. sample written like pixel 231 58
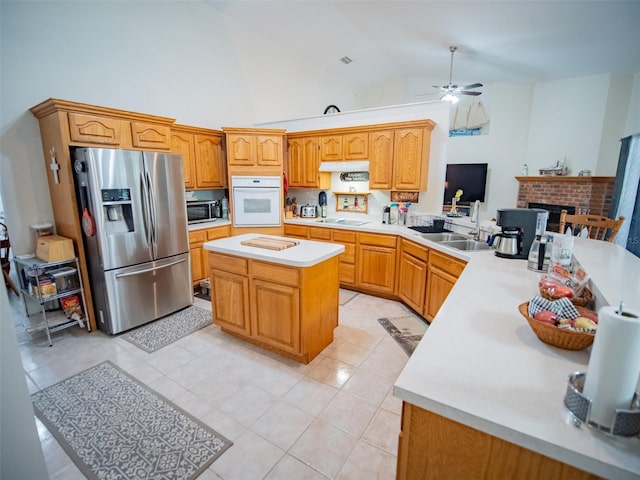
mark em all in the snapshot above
pixel 626 422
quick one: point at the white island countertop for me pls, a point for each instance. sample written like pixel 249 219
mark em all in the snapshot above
pixel 305 254
pixel 480 364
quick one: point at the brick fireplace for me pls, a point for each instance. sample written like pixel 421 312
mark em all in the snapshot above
pixel 591 193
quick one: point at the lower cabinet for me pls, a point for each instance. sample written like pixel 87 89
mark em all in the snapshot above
pixel 432 446
pixel 443 273
pixel 376 262
pixel 412 274
pixel 291 311
pixel 199 262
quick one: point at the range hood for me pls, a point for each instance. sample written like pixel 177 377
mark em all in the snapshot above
pixel 354 166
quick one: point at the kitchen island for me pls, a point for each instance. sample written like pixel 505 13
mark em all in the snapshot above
pixel 283 300
pixel 483 397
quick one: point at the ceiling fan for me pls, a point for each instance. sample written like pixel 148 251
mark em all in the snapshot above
pixel 451 91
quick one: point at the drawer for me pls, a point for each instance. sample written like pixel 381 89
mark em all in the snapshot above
pixel 344 236
pixel 319 233
pixel 295 231
pixel 377 239
pixel 415 250
pixel 347 273
pixel 228 263
pixel 445 262
pixel 275 273
pixel 218 232
pixel 197 236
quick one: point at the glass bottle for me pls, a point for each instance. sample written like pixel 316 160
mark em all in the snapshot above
pixel 393 217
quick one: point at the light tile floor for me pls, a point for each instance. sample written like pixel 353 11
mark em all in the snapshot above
pixel 334 418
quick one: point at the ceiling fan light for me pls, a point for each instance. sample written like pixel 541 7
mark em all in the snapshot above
pixel 451 98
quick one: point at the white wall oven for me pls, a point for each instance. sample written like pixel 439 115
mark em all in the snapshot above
pixel 256 201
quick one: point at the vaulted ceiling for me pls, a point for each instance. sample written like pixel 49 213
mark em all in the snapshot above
pixel 513 41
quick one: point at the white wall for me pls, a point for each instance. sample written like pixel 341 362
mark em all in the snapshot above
pixel 633 118
pixel 183 60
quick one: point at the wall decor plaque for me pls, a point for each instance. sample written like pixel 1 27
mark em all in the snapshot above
pixel 404 196
pixel 354 176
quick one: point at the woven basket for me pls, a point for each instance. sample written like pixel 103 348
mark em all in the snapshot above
pixel 583 301
pixel 558 337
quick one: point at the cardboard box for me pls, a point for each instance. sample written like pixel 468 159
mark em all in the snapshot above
pixel 54 248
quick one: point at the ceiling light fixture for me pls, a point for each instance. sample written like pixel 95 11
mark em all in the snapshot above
pixel 451 98
pixel 346 60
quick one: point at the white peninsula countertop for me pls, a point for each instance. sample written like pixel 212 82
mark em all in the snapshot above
pixel 480 364
pixel 305 254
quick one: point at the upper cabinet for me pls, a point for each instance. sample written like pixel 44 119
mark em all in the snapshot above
pixel 254 150
pixel 203 156
pixel 398 153
pixel 303 162
pixel 352 146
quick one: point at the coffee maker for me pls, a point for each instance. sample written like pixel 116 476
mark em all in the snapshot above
pixel 518 230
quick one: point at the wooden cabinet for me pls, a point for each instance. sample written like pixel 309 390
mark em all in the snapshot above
pixel 348 146
pixel 297 231
pixel 250 148
pixel 203 156
pixel 468 453
pixel 199 260
pixel 64 124
pixel 381 160
pixel 412 274
pixel 409 169
pixel 291 311
pixel 347 259
pixel 443 273
pixel 303 163
pixel 376 262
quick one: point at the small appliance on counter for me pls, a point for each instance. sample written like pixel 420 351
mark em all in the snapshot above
pixel 308 211
pixel 540 251
pixel 386 215
pixel 518 230
pixel 322 201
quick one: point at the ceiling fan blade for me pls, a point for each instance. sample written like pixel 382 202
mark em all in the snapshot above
pixel 473 85
pixel 469 93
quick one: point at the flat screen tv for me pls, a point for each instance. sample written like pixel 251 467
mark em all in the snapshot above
pixel 471 178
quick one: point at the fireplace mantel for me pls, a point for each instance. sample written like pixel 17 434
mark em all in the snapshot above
pixel 590 193
pixel 562 178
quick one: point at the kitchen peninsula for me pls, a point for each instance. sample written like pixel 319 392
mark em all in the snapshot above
pixel 284 300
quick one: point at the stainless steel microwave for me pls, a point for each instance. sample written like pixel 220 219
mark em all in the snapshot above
pixel 206 211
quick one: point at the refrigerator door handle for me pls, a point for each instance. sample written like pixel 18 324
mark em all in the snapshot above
pixel 153 215
pixel 152 269
pixel 145 209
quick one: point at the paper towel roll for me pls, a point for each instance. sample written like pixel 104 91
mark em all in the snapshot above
pixel 614 366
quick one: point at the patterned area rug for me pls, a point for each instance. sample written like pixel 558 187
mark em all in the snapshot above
pixel 162 332
pixel 112 427
pixel 407 331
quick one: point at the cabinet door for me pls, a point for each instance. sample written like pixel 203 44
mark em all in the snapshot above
pixel 408 158
pixel 376 268
pixel 331 147
pixel 439 284
pixel 295 162
pixel 310 156
pixel 94 129
pixel 230 301
pixel 355 146
pixel 197 255
pixel 241 150
pixel 381 160
pixel 182 143
pixel 275 315
pixel 150 135
pixel 210 171
pixel 269 150
pixel 412 281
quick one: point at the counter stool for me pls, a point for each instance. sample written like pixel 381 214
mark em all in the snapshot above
pixel 597 226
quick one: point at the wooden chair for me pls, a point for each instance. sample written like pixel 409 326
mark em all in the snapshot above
pixel 597 226
pixel 5 246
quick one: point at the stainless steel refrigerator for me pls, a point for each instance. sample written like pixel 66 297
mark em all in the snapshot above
pixel 133 215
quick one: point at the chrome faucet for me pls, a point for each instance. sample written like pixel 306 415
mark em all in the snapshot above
pixel 475 231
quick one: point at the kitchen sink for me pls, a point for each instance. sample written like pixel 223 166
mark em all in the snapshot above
pixel 468 244
pixel 342 221
pixel 443 237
